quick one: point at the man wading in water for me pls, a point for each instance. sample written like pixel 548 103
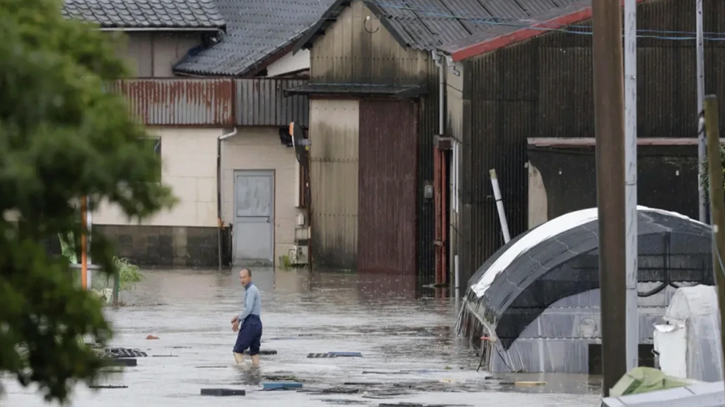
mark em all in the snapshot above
pixel 251 330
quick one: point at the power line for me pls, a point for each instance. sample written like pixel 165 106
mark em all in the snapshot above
pixel 542 26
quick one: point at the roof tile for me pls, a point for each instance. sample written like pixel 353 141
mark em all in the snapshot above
pixel 433 24
pixel 256 29
pixel 145 13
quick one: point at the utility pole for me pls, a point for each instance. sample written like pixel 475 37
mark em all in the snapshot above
pixel 630 174
pixel 701 143
pixel 717 203
pixel 609 128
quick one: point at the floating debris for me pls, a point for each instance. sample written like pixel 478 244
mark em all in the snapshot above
pixel 152 337
pixel 346 354
pixel 288 378
pixel 340 390
pixel 107 386
pixel 319 355
pixel 523 383
pixel 263 352
pixel 343 402
pixel 363 383
pixel 335 355
pixel 281 386
pixel 420 405
pixel 128 362
pixel 223 392
pixel 123 353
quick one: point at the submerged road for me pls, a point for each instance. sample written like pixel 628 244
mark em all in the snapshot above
pixel 410 351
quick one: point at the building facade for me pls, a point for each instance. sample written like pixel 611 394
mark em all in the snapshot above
pixel 520 91
pixel 373 115
pixel 236 178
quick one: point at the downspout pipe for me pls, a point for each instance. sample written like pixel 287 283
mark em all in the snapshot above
pixel 441 65
pixel 220 223
pixel 439 61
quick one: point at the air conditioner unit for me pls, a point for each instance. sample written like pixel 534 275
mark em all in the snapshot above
pixel 298 255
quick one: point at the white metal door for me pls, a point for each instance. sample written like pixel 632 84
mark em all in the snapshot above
pixel 253 218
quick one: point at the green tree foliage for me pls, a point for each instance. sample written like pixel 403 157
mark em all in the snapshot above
pixel 61 137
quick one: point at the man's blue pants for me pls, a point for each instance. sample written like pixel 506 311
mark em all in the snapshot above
pixel 250 335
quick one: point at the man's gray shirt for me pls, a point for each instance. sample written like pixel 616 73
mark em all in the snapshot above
pixel 252 302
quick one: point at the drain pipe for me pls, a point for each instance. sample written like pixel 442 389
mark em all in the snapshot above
pixel 439 60
pixel 220 222
pixel 499 206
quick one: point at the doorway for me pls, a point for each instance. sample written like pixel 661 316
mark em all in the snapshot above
pixel 254 218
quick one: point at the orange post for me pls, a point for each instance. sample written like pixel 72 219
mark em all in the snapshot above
pixel 84 257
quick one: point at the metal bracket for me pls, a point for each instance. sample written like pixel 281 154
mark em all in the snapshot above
pixel 443 142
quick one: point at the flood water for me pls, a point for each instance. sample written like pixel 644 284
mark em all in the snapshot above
pixel 406 336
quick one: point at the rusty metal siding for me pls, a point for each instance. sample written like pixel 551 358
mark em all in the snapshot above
pixel 388 183
pixel 180 102
pixel 334 126
pixel 261 102
pixel 543 88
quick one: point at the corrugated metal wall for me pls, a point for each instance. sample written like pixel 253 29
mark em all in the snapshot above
pixel 388 185
pixel 543 88
pixel 215 102
pixel 428 128
pixel 180 102
pixel 349 53
pixel 261 102
pixel 334 126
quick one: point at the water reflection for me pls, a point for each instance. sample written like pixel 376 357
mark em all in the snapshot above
pixel 404 332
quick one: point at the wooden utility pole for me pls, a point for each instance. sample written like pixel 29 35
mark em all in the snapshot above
pixel 609 131
pixel 717 203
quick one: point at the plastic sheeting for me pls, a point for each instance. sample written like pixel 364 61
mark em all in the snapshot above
pixel 537 298
pixel 559 339
pixel 694 310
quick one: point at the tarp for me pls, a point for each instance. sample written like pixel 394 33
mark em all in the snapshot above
pixel 695 310
pixel 644 380
pixel 560 258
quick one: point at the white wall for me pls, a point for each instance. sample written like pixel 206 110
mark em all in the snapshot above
pixel 290 63
pixel 154 54
pixel 259 148
pixel 189 167
pixel 538 202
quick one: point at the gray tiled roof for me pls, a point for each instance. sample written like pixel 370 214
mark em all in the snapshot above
pixel 256 30
pixel 201 14
pixel 564 8
pixel 429 24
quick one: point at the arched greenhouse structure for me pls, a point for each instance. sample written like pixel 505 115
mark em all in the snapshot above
pixel 536 300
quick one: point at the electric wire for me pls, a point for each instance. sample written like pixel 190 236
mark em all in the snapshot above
pixel 531 24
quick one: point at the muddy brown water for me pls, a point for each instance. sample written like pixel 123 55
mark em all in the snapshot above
pixel 410 350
